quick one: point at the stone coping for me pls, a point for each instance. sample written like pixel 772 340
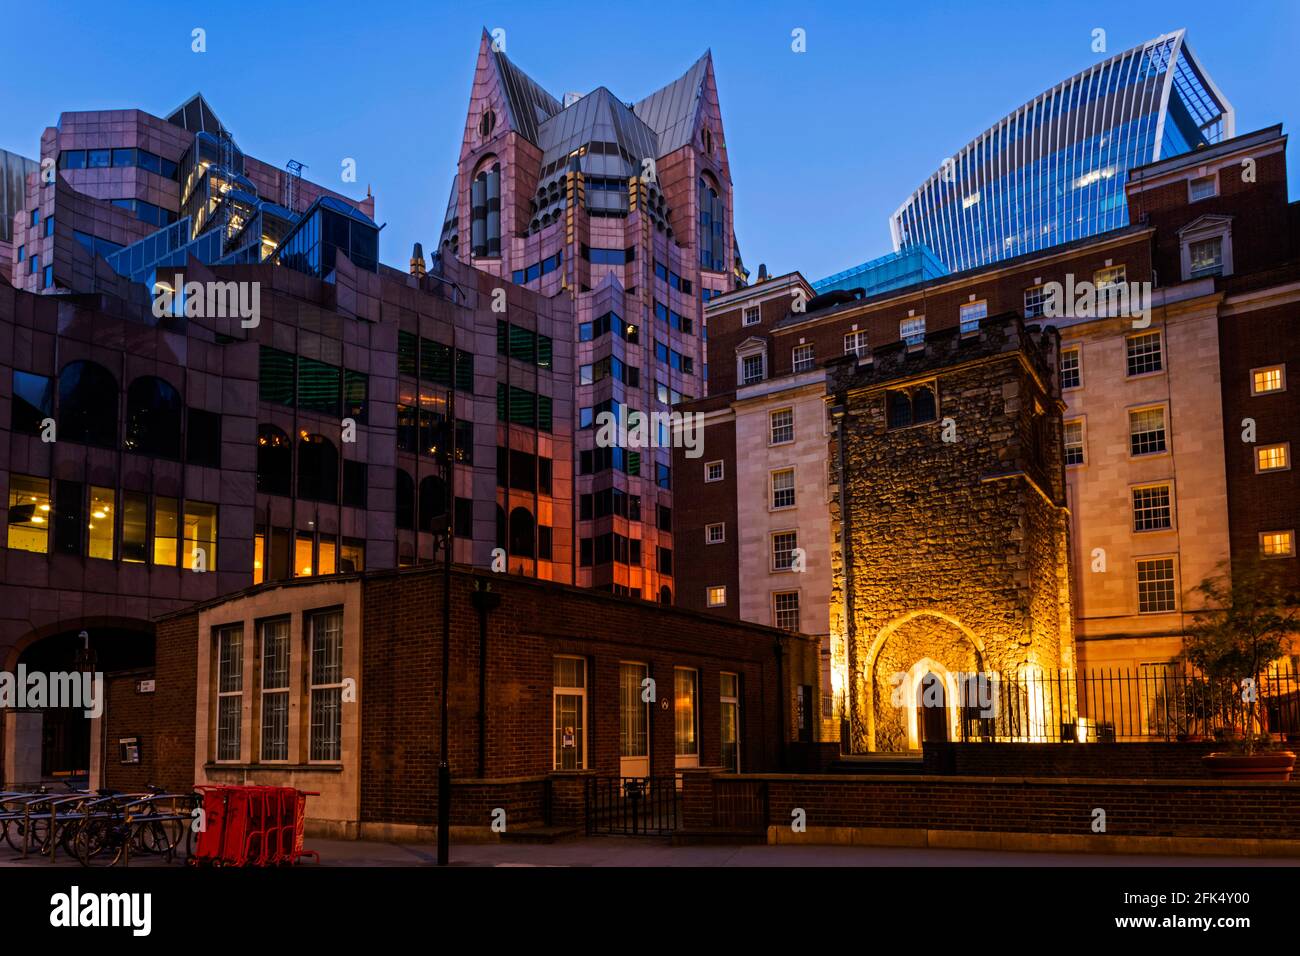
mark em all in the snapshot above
pixel 1202 782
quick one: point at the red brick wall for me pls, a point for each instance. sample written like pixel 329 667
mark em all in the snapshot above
pixel 1118 761
pixel 128 713
pixel 699 503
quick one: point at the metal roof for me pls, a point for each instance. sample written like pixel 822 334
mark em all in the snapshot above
pixel 528 104
pixel 671 111
pixel 597 117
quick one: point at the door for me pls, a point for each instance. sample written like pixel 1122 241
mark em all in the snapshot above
pixel 633 720
pixel 932 709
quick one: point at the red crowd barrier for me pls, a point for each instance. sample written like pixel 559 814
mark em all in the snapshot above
pixel 252 826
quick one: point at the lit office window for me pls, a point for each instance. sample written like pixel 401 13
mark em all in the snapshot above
pixel 1271 378
pixel 165 531
pixel 302 563
pixel 135 527
pixel 633 711
pixel 259 558
pixel 1273 457
pixel 29 514
pixel 717 595
pixel 200 536
pixel 1277 544
pixel 729 705
pixel 1156 591
pixel 687 694
pixel 99 523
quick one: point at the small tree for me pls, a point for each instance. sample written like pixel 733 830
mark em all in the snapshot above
pixel 1250 618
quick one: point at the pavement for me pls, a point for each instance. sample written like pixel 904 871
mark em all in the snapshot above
pixel 644 852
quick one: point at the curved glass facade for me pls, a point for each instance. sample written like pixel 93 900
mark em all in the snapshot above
pixel 1054 170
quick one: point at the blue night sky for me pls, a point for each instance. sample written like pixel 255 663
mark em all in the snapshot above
pixel 824 145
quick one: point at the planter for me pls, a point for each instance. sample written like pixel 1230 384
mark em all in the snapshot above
pixel 1270 765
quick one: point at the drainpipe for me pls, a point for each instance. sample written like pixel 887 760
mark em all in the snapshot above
pixel 485 602
pixel 839 413
pixel 783 701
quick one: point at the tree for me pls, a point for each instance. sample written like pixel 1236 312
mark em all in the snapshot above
pixel 1252 615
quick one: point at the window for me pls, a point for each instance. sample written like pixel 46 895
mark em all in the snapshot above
pixel 1277 544
pixel 135 527
pixel 274 461
pixel 971 313
pixel 783 488
pixel 1271 378
pixel 713 471
pixel 326 685
pixel 166 523
pixel 801 358
pixel 485 213
pixel 1273 457
pixel 1071 369
pixel 318 467
pixel 569 710
pixel 1206 257
pixel 729 701
pixel 1206 187
pixel 1156 592
pixel 715 533
pixel 785 610
pixel 47 276
pixel 633 711
pixel 752 368
pixel 784 544
pixel 34 264
pixel 1074 446
pixel 751 315
pixel 33 402
pixel 275 689
pixel 1151 509
pixel 29 514
pixel 855 343
pixel 1143 353
pixel 230 690
pixel 153 418
pixel 87 405
pixel 1111 275
pixel 1146 430
pixel 712 222
pixel 686 695
pixel 781 424
pixel 202 438
pixel 910 406
pixel 1035 302
pixel 912 331
pixel 200 536
pixel 716 595
pixel 100 522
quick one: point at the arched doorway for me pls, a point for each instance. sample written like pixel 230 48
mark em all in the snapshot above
pixel 931 709
pixel 47 740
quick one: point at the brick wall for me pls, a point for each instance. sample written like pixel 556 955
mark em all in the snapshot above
pixel 128 713
pixel 1114 761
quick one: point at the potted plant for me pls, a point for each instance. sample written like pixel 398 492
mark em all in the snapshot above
pixel 1250 619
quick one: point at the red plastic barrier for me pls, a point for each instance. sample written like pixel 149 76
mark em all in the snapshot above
pixel 252 826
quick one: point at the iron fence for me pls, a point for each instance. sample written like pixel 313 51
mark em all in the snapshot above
pixel 632 806
pixel 1152 702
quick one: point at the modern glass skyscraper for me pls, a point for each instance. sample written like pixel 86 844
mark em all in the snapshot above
pixel 1054 170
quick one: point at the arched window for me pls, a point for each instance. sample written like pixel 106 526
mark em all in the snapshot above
pixel 486 123
pixel 485 212
pixel 153 418
pixel 665 595
pixel 88 404
pixel 433 502
pixel 899 409
pixel 911 406
pixel 318 469
pixel 274 461
pixel 521 533
pixel 405 506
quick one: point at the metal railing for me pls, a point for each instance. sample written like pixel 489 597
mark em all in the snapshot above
pixel 632 806
pixel 1153 702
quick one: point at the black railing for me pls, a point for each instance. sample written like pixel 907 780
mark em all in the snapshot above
pixel 632 806
pixel 1153 702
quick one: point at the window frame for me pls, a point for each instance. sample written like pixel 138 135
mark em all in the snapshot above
pixel 961 316
pixel 798 365
pixel 772 440
pixel 747 312
pixel 1137 581
pixel 1286 453
pixel 1290 536
pixel 772 550
pixel 1134 490
pixel 1077 349
pixel 310 618
pixel 708 529
pixel 1212 178
pixel 861 346
pixel 1083 442
pixel 219 635
pixel 772 489
pixel 1281 369
pixel 280 691
pixel 776 612
pixel 709 589
pixel 569 691
pixel 722 470
pixel 1163 408
pixel 1129 353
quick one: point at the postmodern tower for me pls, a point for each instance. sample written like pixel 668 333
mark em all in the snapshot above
pixel 1054 170
pixel 626 208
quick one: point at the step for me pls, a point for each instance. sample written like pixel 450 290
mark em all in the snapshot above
pixel 540 834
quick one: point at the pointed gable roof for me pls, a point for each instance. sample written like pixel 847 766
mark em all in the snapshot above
pixel 196 116
pixel 597 117
pixel 527 103
pixel 671 111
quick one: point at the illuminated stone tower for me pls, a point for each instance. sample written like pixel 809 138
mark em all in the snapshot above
pixel 954 553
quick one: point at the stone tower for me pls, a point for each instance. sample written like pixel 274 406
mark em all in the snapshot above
pixel 953 552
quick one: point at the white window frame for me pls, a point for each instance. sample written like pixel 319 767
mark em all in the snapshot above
pixel 860 346
pixel 1286 452
pixel 1214 227
pixel 566 691
pixel 1164 427
pixel 966 327
pixel 1083 441
pixel 1137 584
pixel 751 315
pixel 1290 536
pixel 1040 306
pixel 1132 504
pixel 801 365
pixel 1078 354
pixel 1114 275
pixel 761 356
pixel 1281 369
pixel 1128 352
pixel 708 533
pixel 911 331
pixel 722 471
pixel 709 592
pixel 1212 178
pixel 776 614
pixel 771 426
pixel 772 536
pixel 771 484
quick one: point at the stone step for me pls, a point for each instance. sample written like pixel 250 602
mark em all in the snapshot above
pixel 540 834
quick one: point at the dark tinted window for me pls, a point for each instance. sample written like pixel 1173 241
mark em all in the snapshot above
pixel 203 438
pixel 405 507
pixel 318 466
pixel 87 404
pixel 354 484
pixel 33 402
pixel 153 418
pixel 273 461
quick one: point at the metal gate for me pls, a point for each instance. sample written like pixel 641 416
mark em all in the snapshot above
pixel 632 806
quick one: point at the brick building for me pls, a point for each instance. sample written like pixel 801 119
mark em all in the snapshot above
pixel 333 685
pixel 1178 424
